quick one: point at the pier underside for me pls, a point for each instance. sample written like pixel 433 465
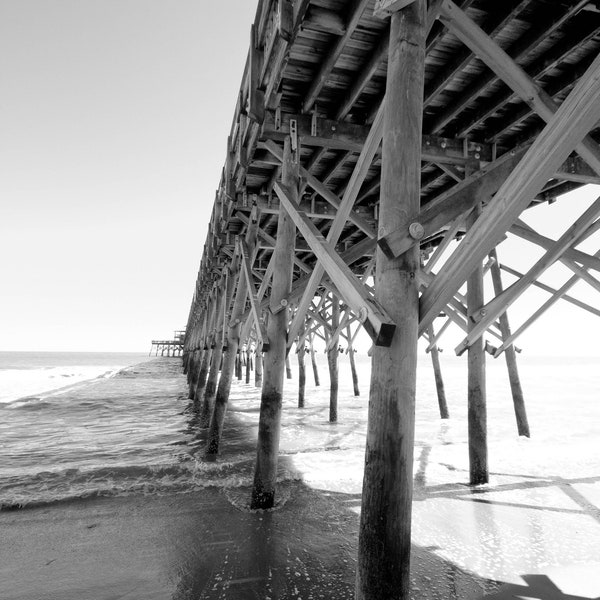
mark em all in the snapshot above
pixel 379 154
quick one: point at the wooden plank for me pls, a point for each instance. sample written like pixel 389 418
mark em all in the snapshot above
pixel 511 73
pixel 375 320
pixel 355 10
pixel 575 117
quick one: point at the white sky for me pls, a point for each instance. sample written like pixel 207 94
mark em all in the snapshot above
pixel 114 116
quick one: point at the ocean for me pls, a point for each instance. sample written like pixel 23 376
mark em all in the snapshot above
pixel 83 426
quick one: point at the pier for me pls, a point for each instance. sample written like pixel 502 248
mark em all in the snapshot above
pixel 169 348
pixel 380 153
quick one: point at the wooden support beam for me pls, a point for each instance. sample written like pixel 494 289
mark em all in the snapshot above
pixel 575 117
pixel 385 8
pixel 477 408
pixel 265 474
pixel 522 230
pixel 581 228
pixel 261 330
pixel 554 291
pixel 376 321
pixel 384 546
pixel 556 295
pixel 344 214
pixel 510 355
pixel 332 360
pixel 437 373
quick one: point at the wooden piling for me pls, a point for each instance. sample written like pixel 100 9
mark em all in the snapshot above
pixel 313 360
pixel 437 373
pixel 477 409
pixel 210 390
pixel 258 363
pixel 248 363
pixel 288 367
pixel 383 569
pixel 332 360
pixel 265 475
pixel 230 358
pixel 510 355
pixel 351 352
pixel 301 352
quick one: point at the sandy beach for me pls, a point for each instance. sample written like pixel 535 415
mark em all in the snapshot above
pixel 533 532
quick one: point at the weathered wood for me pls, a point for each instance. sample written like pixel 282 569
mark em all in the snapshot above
pixel 477 408
pixel 210 389
pixel 437 373
pixel 583 227
pixel 351 352
pixel 288 367
pixel 313 360
pixel 301 352
pixel 375 319
pixel 510 355
pixel 332 360
pixel 248 364
pixel 265 474
pixel 258 363
pixel 571 122
pixel 383 569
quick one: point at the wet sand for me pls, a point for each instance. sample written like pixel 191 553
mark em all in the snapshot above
pixel 199 546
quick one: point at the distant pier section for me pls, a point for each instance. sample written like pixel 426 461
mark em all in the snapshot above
pixel 172 347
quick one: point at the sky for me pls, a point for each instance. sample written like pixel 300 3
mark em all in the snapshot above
pixel 114 116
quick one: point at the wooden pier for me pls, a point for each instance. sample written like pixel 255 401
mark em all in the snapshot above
pixel 379 154
pixel 169 348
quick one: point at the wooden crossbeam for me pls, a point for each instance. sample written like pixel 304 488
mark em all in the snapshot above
pixel 556 295
pixel 324 192
pixel 522 230
pixel 261 330
pixel 581 228
pixel 376 321
pixel 570 124
pixel 385 8
pixel 344 211
pixel 554 291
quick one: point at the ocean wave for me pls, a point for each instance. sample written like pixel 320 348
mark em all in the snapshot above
pixel 50 487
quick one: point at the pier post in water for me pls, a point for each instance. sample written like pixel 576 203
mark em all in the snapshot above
pixel 477 409
pixel 332 359
pixel 351 352
pixel 231 354
pixel 265 474
pixel 313 360
pixel 510 354
pixel 258 364
pixel 301 352
pixel 210 389
pixel 384 545
pixel 437 373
